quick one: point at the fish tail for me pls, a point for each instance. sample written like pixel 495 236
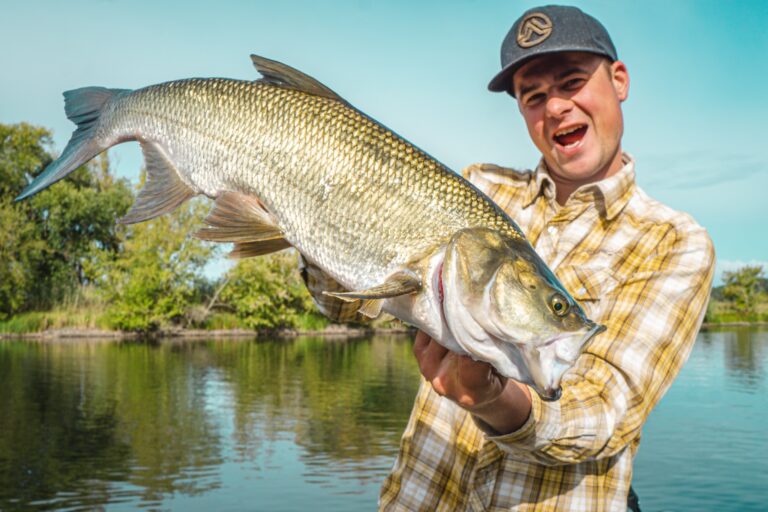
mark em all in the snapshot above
pixel 83 107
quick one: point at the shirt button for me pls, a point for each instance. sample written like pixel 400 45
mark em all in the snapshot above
pixel 552 230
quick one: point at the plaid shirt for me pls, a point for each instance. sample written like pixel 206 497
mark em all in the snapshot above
pixel 635 265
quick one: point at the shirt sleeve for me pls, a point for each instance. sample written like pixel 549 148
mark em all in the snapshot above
pixel 652 319
pixel 337 310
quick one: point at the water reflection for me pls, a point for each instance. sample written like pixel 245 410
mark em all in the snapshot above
pixel 83 424
pixel 704 447
pixel 745 354
pixel 313 423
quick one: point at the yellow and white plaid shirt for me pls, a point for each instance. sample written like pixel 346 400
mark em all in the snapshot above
pixel 635 265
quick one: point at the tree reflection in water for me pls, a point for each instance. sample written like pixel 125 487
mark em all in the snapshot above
pixel 308 423
pixel 88 423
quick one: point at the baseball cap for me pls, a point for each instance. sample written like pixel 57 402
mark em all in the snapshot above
pixel 549 29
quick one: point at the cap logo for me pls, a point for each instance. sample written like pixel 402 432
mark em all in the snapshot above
pixel 534 29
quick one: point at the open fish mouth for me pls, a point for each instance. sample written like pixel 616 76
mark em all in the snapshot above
pixel 591 333
pixel 554 357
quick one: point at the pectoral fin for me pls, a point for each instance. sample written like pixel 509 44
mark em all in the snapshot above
pixel 398 284
pixel 371 308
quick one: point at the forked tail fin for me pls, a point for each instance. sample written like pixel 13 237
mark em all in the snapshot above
pixel 83 107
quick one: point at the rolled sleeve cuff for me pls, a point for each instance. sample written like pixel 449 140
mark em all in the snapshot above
pixel 524 435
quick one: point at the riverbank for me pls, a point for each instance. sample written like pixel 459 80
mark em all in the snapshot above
pixel 333 330
pixel 709 325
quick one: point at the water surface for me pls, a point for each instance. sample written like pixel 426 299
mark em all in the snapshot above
pixel 314 423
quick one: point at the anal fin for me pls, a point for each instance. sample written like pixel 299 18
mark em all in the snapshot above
pixel 258 248
pixel 163 191
pixel 241 219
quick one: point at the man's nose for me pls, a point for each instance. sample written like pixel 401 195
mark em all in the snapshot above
pixel 558 107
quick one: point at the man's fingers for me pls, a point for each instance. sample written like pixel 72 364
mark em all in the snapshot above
pixel 429 354
pixel 420 343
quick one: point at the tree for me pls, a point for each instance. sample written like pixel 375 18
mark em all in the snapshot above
pixel 46 241
pixel 267 292
pixel 23 152
pixel 742 288
pixel 18 247
pixel 77 218
pixel 155 277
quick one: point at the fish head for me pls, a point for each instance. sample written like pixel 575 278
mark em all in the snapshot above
pixel 505 307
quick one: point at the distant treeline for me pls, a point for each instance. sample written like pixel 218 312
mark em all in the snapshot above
pixel 743 297
pixel 66 262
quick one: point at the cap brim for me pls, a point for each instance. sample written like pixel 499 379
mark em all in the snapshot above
pixel 503 79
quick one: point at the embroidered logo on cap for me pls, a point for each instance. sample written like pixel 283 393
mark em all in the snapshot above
pixel 534 29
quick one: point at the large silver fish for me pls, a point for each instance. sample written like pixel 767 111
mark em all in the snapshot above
pixel 290 163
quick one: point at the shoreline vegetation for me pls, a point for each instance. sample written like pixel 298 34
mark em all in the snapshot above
pixel 332 331
pixel 69 269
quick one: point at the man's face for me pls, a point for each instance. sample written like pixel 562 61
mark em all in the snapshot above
pixel 571 103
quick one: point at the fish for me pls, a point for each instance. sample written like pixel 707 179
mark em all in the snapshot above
pixel 290 163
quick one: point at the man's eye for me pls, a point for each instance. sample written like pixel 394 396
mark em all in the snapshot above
pixel 534 99
pixel 573 83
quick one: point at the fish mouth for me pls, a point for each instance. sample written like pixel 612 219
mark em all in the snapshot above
pixel 551 395
pixel 594 331
pixel 553 361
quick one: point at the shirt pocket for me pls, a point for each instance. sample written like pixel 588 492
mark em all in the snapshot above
pixel 588 284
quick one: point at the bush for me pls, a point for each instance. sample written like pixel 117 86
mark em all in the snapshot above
pixel 267 292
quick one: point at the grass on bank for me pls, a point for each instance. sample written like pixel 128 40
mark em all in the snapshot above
pixel 39 321
pixel 91 314
pixel 721 312
pixel 94 317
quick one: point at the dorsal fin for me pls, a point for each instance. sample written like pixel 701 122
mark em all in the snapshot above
pixel 279 74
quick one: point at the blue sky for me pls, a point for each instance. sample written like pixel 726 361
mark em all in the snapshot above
pixel 693 120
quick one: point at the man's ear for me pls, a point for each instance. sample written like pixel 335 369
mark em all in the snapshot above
pixel 620 79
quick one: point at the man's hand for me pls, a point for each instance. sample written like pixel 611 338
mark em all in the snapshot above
pixel 500 402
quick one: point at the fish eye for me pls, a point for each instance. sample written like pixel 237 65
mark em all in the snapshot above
pixel 559 304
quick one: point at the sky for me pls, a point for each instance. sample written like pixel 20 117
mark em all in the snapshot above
pixel 693 120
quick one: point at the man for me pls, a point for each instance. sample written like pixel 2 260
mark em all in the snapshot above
pixel 477 441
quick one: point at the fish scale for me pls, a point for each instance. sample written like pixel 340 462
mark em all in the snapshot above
pixel 312 161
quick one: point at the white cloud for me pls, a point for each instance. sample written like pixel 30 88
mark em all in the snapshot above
pixel 705 168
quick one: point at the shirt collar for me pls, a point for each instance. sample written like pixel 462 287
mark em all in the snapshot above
pixel 611 194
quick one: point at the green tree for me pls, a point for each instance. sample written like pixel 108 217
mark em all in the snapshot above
pixel 267 291
pixel 742 288
pixel 23 152
pixel 77 218
pixel 156 277
pixel 46 241
pixel 18 248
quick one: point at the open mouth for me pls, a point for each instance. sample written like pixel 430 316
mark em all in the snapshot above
pixel 568 137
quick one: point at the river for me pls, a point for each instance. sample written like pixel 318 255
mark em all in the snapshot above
pixel 314 423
